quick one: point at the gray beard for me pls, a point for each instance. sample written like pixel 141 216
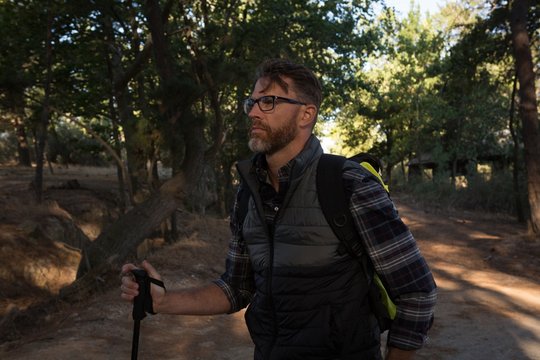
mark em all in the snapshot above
pixel 276 139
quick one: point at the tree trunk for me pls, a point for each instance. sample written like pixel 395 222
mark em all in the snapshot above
pixel 124 183
pixel 120 93
pixel 177 99
pixel 23 149
pixel 527 108
pixel 15 99
pixel 136 162
pixel 515 155
pixel 113 246
pixel 45 113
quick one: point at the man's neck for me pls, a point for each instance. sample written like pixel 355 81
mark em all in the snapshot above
pixel 276 162
pixel 280 158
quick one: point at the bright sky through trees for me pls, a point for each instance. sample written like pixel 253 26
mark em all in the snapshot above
pixel 403 6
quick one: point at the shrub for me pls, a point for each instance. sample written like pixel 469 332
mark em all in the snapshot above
pixel 8 148
pixel 494 194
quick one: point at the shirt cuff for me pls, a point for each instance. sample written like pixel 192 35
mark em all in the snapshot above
pixel 406 340
pixel 229 292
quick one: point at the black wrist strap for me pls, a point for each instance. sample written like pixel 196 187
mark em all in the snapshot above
pixel 143 303
pixel 157 282
pixel 149 305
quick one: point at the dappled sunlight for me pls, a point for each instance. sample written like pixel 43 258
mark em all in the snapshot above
pixel 91 230
pixel 479 235
pixel 480 301
pixel 490 288
pixel 487 278
pixel 523 291
pixel 31 268
pixel 52 275
pixel 529 346
pixel 447 284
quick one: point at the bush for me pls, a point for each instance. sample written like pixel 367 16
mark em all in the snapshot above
pixel 68 144
pixel 494 194
pixel 8 148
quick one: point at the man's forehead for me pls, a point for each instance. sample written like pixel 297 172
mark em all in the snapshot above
pixel 266 85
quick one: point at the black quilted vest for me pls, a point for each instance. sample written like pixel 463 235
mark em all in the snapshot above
pixel 310 301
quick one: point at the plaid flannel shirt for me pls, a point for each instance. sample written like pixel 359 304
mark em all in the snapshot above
pixel 387 240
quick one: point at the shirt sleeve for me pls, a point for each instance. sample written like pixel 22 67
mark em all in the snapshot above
pixel 395 257
pixel 237 281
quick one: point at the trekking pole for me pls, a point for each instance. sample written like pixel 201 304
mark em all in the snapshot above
pixel 139 313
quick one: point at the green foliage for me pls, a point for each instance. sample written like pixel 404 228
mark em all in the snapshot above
pixel 490 195
pixel 437 86
pixel 8 147
pixel 69 144
pixel 395 94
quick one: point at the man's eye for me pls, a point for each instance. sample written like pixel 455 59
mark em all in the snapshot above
pixel 267 100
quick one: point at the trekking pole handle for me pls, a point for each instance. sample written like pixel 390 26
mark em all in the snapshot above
pixel 142 279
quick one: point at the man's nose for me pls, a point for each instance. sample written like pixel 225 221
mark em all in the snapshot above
pixel 254 112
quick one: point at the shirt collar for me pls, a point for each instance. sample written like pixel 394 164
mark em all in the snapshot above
pixel 261 169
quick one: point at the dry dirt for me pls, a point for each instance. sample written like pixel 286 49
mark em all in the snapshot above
pixel 487 271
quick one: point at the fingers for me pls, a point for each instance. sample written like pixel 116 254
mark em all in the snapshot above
pixel 128 287
pixel 126 269
pixel 150 270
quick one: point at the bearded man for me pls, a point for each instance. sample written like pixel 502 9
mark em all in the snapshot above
pixel 306 299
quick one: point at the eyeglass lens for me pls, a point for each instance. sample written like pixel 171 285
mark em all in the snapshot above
pixel 266 103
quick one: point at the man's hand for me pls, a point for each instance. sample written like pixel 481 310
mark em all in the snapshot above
pixel 130 288
pixel 398 354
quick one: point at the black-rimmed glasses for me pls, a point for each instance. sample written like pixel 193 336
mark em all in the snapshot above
pixel 267 103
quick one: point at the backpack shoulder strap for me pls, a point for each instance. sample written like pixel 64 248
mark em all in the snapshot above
pixel 335 204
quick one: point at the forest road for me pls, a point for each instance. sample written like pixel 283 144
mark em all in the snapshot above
pixel 488 304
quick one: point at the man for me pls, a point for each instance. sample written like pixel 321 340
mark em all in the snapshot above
pixel 307 300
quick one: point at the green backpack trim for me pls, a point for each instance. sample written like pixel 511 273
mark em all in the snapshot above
pixel 372 170
pixel 385 298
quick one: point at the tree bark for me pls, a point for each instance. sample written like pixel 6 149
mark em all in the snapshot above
pixel 113 246
pixel 515 155
pixel 177 98
pixel 15 99
pixel 23 149
pixel 136 162
pixel 45 112
pixel 117 242
pixel 527 107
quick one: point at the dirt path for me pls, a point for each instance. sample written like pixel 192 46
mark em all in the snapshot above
pixel 489 287
pixel 489 299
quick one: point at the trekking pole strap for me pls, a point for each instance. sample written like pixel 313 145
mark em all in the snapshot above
pixel 143 303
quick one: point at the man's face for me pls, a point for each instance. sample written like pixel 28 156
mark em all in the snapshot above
pixel 273 130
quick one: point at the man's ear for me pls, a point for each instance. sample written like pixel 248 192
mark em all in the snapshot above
pixel 308 116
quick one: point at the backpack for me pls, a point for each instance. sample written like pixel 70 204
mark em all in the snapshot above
pixel 334 205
